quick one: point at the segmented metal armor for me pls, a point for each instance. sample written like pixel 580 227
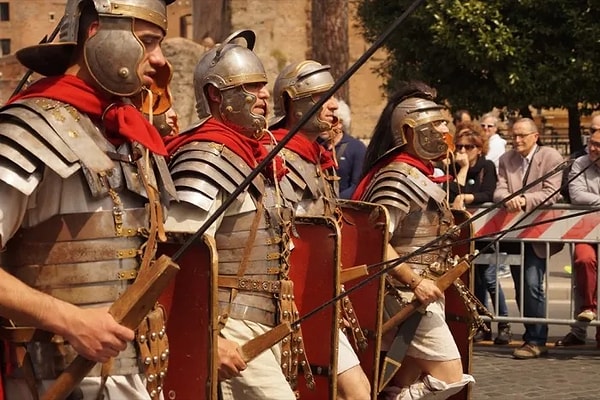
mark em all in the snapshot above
pixel 253 246
pixel 404 188
pixel 316 189
pixel 86 253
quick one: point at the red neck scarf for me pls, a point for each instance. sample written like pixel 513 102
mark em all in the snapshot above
pixel 312 152
pixel 122 121
pixel 249 149
pixel 426 167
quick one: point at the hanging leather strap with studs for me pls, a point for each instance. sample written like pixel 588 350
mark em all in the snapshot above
pixel 293 354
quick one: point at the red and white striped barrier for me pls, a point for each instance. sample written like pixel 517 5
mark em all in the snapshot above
pixel 578 228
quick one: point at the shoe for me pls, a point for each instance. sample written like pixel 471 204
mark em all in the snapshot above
pixel 586 316
pixel 482 335
pixel 529 351
pixel 504 336
pixel 569 340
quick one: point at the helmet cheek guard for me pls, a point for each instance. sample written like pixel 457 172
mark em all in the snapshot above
pixel 300 107
pixel 429 143
pixel 115 67
pixel 228 67
pixel 112 55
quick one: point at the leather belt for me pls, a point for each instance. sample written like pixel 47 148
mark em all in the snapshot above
pixel 252 285
pixel 50 359
pixel 423 259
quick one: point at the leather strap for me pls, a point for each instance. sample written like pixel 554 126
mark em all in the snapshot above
pixel 358 336
pixel 104 374
pixel 248 247
pixel 293 353
pixel 252 285
pixel 24 362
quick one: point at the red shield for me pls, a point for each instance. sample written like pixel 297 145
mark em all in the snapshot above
pixel 457 315
pixel 192 316
pixel 315 273
pixel 364 240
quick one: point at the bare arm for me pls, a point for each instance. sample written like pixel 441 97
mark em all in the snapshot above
pixel 93 332
pixel 425 289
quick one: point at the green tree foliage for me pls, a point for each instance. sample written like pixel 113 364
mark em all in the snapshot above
pixel 504 53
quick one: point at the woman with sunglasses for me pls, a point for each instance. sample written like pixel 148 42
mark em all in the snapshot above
pixel 474 183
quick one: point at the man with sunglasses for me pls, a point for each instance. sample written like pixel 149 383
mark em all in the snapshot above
pixel 497 145
pixel 525 163
pixel 584 188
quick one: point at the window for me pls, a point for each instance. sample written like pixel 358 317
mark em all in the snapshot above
pixel 4 15
pixel 51 15
pixel 4 47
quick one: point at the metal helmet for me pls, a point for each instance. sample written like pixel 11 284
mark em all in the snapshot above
pixel 112 55
pixel 228 66
pixel 424 118
pixel 299 82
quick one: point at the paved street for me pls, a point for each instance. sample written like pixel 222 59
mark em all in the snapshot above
pixel 563 375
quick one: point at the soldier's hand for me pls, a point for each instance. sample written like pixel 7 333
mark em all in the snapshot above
pixel 427 292
pixel 230 363
pixel 95 334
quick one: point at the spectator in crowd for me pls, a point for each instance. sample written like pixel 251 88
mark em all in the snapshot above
pixel 497 145
pixel 526 162
pixel 461 115
pixel 474 183
pixel 564 186
pixel 349 151
pixel 584 189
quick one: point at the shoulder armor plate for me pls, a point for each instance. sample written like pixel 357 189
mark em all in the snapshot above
pixel 37 133
pixel 391 187
pixel 302 173
pixel 201 169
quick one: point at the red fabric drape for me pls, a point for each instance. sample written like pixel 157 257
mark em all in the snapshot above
pixel 312 152
pixel 122 121
pixel 249 149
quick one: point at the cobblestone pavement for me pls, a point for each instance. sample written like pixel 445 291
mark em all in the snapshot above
pixel 565 374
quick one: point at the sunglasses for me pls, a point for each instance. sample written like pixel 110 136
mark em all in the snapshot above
pixel 487 125
pixel 465 146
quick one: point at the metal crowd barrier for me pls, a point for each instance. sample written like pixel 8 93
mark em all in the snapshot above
pixel 574 224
